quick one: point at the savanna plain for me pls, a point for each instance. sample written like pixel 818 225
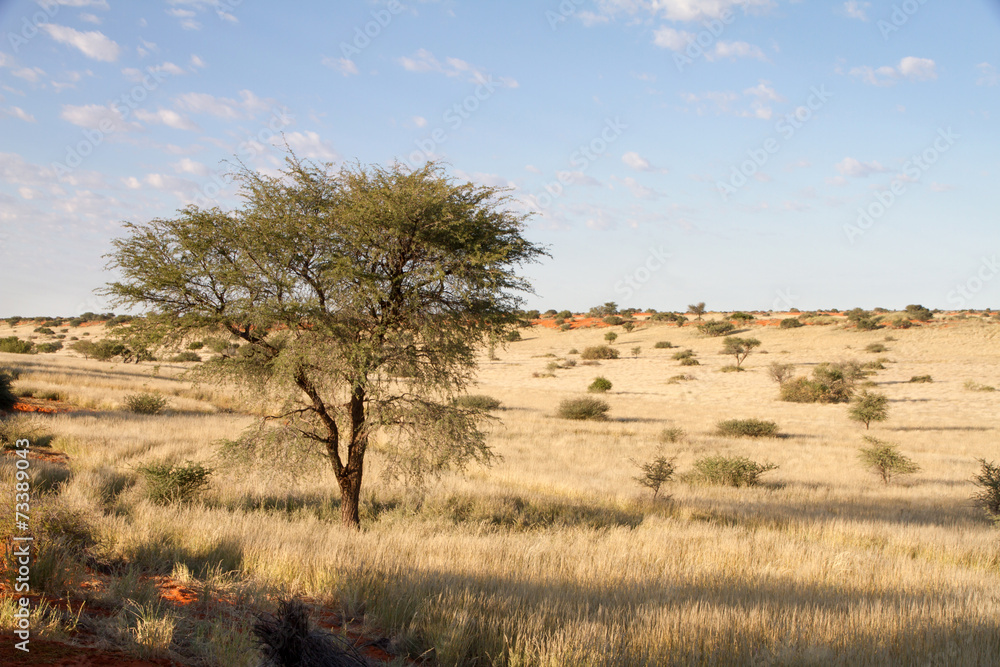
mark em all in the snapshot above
pixel 555 554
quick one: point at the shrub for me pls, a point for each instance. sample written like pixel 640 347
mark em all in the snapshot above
pixel 23 427
pixel 884 460
pixel 740 316
pixel 566 327
pixel 573 351
pixel 168 483
pixel 831 383
pixel 600 385
pixel 791 323
pixel 919 313
pixel 583 408
pixel 44 330
pixel 145 404
pixel 599 352
pixel 477 402
pixel 565 314
pixel 683 354
pixel 716 328
pixel 690 361
pixel 7 397
pixel 655 473
pixel 672 434
pixel 611 336
pixel 901 323
pixel 975 386
pixel 14 345
pixel 196 345
pixel 921 378
pixel 613 320
pixel 747 428
pixel 185 357
pixel 869 323
pixel 628 326
pixel 49 348
pixel 662 345
pixel 731 369
pixel 513 336
pixel 737 471
pixel 105 350
pixel 868 407
pixel 677 379
pixel 876 348
pixel 988 481
pixel 780 373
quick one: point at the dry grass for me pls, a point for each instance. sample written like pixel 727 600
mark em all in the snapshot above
pixel 556 556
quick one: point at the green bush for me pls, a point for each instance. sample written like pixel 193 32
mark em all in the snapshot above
pixel 105 350
pixel 740 316
pixel 921 378
pixel 7 396
pixel 478 402
pixel 169 483
pixel 869 323
pixel 884 460
pixel 145 404
pixel 716 328
pixel 683 354
pixel 663 345
pixel 45 331
pixel 868 407
pixel 690 361
pixel 613 320
pixel 747 428
pixel 988 481
pixel 737 471
pixel 791 323
pixel 513 336
pixel 196 345
pixel 185 357
pixel 672 435
pixel 611 337
pixel 599 352
pixel 901 323
pixel 49 348
pixel 655 473
pixel 732 369
pixel 831 383
pixel 919 313
pixel 876 348
pixel 583 408
pixel 975 386
pixel 14 345
pixel 600 385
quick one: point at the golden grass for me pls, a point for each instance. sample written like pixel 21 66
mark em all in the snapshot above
pixel 555 556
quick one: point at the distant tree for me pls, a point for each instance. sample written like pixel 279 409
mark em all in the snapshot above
pixel 609 308
pixel 361 295
pixel 740 348
pixel 885 460
pixel 636 351
pixel 628 326
pixel 655 473
pixel 697 309
pixel 781 373
pixel 716 328
pixel 919 313
pixel 867 407
pixel 611 336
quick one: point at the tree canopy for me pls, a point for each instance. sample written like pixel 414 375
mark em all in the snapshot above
pixel 359 296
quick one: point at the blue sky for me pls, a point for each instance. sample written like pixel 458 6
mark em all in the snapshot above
pixel 751 154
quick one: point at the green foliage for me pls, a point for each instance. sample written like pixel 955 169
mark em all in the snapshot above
pixel 599 352
pixel 876 348
pixel 655 473
pixel 583 409
pixel 780 373
pixel 690 361
pixel 185 357
pixel 145 404
pixel 919 313
pixel 365 295
pixel 869 323
pixel 7 396
pixel 610 336
pixel 662 345
pixel 565 314
pixel 901 323
pixel 988 495
pixel 742 317
pixel 105 350
pixel 478 402
pixel 683 354
pixel 674 434
pixel 168 483
pixel 736 471
pixel 831 383
pixel 921 378
pixel 196 345
pixel 613 320
pixel 731 369
pixel 791 323
pixel 972 385
pixel 44 330
pixel 600 385
pixel 697 309
pixel 739 347
pixel 747 428
pixel 512 336
pixel 628 326
pixel 49 348
pixel 884 459
pixel 716 328
pixel 609 308
pixel 867 407
pixel 14 345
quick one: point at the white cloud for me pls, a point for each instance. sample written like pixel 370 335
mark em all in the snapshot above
pixel 166 117
pixel 482 178
pixel 91 18
pixel 31 74
pixel 17 112
pixel 914 69
pixel 724 102
pixel 223 107
pixel 987 75
pixel 189 166
pixel 735 50
pixel 420 121
pixel 532 168
pixel 93 44
pixel 638 190
pixel 590 19
pixel 197 63
pixel 639 163
pixel 136 75
pixel 856 169
pixel 310 145
pixel 857 10
pixel 669 38
pixel 99 4
pixel 942 187
pixel 94 116
pixel 683 10
pixel 577 178
pixel 424 61
pixel 345 66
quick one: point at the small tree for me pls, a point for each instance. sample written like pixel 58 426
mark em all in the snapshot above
pixel 781 373
pixel 885 461
pixel 636 350
pixel 988 481
pixel 600 385
pixel 611 336
pixel 655 473
pixel 740 348
pixel 867 407
pixel 628 326
pixel 697 309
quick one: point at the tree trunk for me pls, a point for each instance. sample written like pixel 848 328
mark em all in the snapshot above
pixel 350 497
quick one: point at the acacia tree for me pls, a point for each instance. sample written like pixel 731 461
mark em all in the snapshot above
pixel 697 309
pixel 739 347
pixel 360 297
